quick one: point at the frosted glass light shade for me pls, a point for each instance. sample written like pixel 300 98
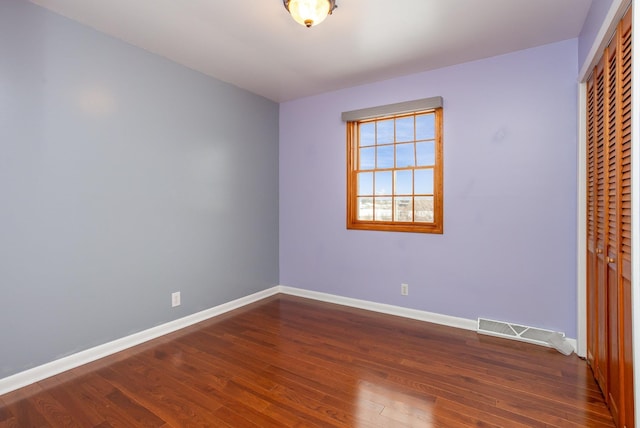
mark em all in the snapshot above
pixel 309 12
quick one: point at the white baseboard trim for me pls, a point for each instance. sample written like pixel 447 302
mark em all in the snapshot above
pixel 463 323
pixel 415 314
pixel 36 374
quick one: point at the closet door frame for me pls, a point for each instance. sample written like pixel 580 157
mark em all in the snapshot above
pixel 615 14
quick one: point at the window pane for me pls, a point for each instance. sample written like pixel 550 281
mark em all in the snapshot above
pixel 368 158
pixel 383 183
pixel 425 127
pixel 368 134
pixel 404 155
pixel 404 183
pixel 385 157
pixel 394 173
pixel 404 129
pixel 382 209
pixel 365 208
pixel 403 209
pixel 424 209
pixel 424 182
pixel 426 153
pixel 385 131
pixel 365 183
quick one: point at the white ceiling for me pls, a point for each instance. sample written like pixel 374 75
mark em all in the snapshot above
pixel 256 45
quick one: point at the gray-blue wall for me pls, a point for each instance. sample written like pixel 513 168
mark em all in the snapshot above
pixel 123 177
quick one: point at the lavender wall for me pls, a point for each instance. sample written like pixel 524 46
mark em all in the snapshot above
pixel 509 247
pixel 592 24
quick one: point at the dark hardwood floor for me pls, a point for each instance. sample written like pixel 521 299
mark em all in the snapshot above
pixel 292 362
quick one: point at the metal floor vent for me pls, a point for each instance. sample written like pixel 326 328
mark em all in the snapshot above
pixel 523 333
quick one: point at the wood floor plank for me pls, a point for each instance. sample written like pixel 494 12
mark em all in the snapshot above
pixel 292 362
pixel 20 404
pixel 60 391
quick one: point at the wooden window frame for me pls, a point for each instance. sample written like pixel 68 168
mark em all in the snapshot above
pixel 435 227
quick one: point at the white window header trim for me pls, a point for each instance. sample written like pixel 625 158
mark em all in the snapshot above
pixel 391 109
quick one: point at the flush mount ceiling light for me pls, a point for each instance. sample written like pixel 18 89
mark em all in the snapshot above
pixel 309 12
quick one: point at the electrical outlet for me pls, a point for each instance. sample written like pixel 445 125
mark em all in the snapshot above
pixel 404 289
pixel 175 299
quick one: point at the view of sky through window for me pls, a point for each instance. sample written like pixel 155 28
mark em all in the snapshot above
pixel 380 148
